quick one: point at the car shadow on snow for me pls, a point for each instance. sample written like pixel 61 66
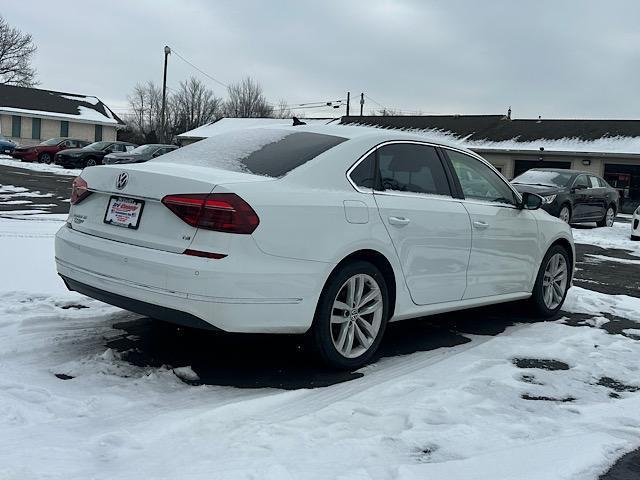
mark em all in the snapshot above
pixel 286 361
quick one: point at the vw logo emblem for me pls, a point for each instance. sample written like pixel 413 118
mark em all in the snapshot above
pixel 122 180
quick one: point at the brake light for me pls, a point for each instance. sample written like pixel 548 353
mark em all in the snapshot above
pixel 79 190
pixel 222 212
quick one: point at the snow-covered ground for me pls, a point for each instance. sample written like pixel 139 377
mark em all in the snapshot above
pixel 618 236
pixel 38 167
pixel 483 409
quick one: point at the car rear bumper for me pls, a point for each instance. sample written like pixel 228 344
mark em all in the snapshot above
pixel 263 297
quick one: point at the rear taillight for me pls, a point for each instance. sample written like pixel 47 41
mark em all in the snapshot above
pixel 79 190
pixel 222 212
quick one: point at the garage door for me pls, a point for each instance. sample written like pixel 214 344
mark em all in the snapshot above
pixel 521 166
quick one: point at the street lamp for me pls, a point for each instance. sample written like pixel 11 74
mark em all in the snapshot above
pixel 167 51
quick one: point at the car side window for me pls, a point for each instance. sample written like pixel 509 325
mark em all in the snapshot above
pixel 478 181
pixel 581 182
pixel 603 183
pixel 364 173
pixel 409 167
pixel 127 148
pixel 593 182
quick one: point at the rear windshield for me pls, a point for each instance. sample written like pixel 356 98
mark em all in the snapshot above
pixel 260 151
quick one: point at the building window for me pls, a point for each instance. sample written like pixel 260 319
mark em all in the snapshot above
pixel 35 128
pixel 64 128
pixel 98 133
pixel 16 126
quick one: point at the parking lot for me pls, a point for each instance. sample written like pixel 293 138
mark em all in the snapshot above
pixel 541 386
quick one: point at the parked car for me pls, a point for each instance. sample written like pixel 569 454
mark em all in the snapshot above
pixel 139 154
pixel 572 195
pixel 91 154
pixel 330 230
pixel 635 225
pixel 6 146
pixel 45 151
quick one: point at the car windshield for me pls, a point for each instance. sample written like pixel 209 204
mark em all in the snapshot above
pixel 52 141
pixel 144 149
pixel 97 146
pixel 544 177
pixel 259 151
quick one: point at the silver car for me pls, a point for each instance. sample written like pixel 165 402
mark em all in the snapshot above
pixel 139 154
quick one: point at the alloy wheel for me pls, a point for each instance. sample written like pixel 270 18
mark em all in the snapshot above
pixel 565 214
pixel 46 158
pixel 554 283
pixel 610 218
pixel 91 162
pixel 356 315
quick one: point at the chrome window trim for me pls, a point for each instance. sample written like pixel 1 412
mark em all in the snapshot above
pixel 396 194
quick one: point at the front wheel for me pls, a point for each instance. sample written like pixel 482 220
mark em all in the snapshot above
pixel 91 162
pixel 45 158
pixel 565 214
pixel 608 219
pixel 552 282
pixel 351 316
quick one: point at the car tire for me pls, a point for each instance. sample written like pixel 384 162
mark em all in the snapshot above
pixel 551 288
pixel 346 338
pixel 90 162
pixel 609 218
pixel 45 158
pixel 565 213
pixel 635 238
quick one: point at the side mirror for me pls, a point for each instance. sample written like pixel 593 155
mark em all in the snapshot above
pixel 531 201
pixel 578 187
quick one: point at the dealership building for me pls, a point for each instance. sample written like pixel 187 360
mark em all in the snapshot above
pixel 609 148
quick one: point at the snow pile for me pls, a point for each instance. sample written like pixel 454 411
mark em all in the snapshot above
pixel 225 125
pixel 604 145
pixel 38 167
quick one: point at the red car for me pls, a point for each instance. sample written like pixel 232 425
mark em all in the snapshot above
pixel 45 151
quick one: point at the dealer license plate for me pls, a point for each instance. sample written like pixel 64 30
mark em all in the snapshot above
pixel 124 212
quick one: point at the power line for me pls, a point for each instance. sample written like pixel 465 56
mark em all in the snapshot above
pixel 199 69
pixel 290 107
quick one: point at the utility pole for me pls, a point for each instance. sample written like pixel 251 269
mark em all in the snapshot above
pixel 167 51
pixel 361 103
pixel 348 100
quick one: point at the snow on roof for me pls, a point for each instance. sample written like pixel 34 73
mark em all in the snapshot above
pixel 495 132
pixel 59 105
pixel 231 124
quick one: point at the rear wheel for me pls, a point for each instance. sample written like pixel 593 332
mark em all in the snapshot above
pixel 351 316
pixel 45 158
pixel 552 282
pixel 609 217
pixel 565 214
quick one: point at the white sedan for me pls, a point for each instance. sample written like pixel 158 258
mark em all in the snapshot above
pixel 330 230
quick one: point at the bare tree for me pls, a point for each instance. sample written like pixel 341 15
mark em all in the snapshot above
pixel 16 52
pixel 194 105
pixel 387 112
pixel 146 112
pixel 246 100
pixel 282 110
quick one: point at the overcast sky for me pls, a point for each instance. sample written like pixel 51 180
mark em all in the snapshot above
pixel 565 59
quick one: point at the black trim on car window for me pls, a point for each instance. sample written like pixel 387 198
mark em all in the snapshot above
pixel 454 183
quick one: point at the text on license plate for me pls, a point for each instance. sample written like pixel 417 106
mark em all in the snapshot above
pixel 124 212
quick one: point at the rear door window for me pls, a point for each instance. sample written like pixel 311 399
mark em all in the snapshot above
pixel 259 151
pixel 408 167
pixel 593 182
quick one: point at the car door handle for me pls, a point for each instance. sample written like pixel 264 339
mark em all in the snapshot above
pixel 400 221
pixel 480 225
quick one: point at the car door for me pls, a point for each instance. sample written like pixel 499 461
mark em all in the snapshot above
pixel 580 194
pixel 504 237
pixel 429 229
pixel 597 198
